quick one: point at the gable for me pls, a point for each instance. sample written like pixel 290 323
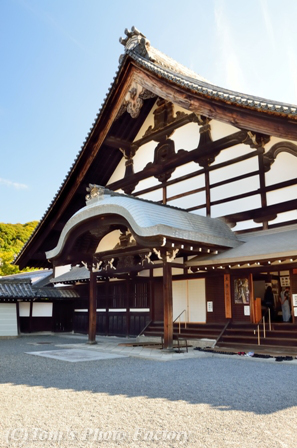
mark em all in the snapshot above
pixel 167 135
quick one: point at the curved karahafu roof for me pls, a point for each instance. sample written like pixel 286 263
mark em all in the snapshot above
pixel 149 223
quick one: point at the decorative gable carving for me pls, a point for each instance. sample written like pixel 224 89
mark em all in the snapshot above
pixel 134 99
pixel 270 156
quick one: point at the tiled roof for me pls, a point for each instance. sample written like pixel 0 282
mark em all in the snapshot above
pixel 265 245
pixel 24 290
pixel 165 67
pixel 13 290
pixel 140 50
pixel 147 219
pixel 38 278
pixel 209 90
pixel 75 274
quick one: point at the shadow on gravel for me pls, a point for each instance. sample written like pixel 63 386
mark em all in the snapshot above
pixel 225 383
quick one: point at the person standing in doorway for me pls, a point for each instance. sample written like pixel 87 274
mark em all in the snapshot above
pixel 269 301
pixel 285 299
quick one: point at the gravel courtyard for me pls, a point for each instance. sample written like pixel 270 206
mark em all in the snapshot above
pixel 213 401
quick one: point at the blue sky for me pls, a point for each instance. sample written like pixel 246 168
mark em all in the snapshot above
pixel 59 57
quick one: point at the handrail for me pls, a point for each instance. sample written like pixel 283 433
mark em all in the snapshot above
pixel 222 332
pixel 262 320
pixel 178 317
pixel 142 331
pixel 269 318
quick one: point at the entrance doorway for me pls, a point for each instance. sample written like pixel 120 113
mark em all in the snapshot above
pixel 274 284
pixel 189 299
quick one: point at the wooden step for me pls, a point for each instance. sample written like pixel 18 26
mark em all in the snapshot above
pixel 192 331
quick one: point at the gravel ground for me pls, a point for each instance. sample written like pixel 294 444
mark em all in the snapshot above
pixel 211 401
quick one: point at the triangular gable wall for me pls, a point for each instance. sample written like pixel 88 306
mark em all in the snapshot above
pixel 226 126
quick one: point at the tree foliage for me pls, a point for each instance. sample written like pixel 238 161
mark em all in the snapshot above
pixel 12 239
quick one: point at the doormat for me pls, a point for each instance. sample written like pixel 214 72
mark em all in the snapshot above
pixel 75 355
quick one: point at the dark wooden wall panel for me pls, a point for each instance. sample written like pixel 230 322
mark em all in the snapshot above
pixel 215 293
pixel 158 301
pixel 138 322
pixel 80 322
pixel 101 324
pixel 36 324
pixel 293 280
pixel 63 316
pixel 118 324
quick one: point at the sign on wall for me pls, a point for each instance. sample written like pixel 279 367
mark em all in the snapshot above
pixel 246 310
pixel 210 307
pixel 284 281
pixel 241 291
pixel 227 296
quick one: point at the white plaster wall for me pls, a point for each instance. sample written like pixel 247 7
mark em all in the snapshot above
pixel 42 309
pixel 179 297
pixel 109 241
pixel 60 270
pixel 189 295
pixel 284 168
pixel 24 309
pixel 8 319
pixel 197 300
pixel 187 138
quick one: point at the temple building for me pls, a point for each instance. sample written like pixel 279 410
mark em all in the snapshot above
pixel 180 210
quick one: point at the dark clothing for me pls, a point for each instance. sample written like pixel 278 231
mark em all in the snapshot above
pixel 269 301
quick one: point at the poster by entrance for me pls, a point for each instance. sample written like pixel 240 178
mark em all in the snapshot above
pixel 241 291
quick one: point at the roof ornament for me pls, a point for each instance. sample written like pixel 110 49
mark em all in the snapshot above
pixel 137 42
pixel 97 192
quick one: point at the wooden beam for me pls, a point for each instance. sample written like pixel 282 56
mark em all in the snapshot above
pixel 127 304
pixel 252 300
pixel 262 213
pixel 200 172
pixel 168 305
pixel 207 191
pixel 30 316
pixel 81 166
pixel 18 317
pixel 179 159
pixel 106 292
pixel 92 307
pixel 265 122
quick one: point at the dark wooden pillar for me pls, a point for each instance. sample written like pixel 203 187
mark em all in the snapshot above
pixel 151 303
pixel 167 299
pixel 262 187
pixel 107 307
pixel 127 304
pixel 207 192
pixel 92 307
pixel 18 317
pixel 164 190
pixel 31 316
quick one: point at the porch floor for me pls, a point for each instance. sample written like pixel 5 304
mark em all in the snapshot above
pixel 132 347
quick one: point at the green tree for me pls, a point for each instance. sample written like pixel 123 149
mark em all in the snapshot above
pixel 12 239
